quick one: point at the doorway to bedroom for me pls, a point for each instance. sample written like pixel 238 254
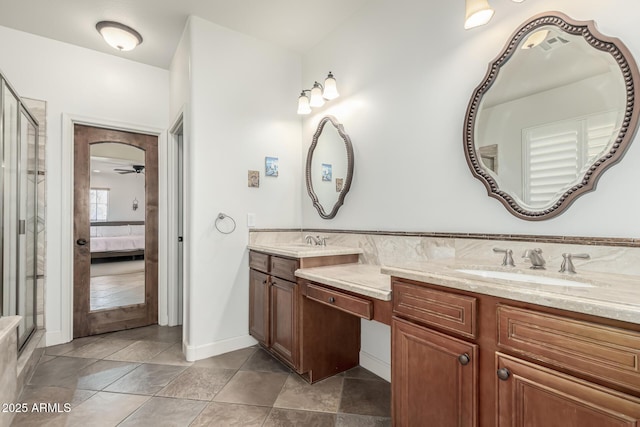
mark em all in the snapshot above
pixel 115 230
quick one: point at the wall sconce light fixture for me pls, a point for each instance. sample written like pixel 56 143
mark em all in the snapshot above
pixel 477 13
pixel 135 204
pixel 118 35
pixel 317 95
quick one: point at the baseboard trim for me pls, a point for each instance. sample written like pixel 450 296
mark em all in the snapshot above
pixel 375 365
pixel 193 353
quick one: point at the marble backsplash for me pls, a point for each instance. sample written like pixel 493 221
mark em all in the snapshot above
pixel 396 249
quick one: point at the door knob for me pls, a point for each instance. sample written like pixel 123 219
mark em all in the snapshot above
pixel 464 359
pixel 503 374
pixel 81 242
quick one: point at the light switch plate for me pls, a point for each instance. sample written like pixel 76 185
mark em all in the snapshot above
pixel 251 220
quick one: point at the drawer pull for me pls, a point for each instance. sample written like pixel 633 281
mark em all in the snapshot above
pixel 503 374
pixel 332 300
pixel 464 359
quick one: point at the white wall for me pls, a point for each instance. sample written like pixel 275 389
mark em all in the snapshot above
pixel 406 71
pixel 404 93
pixel 81 82
pixel 122 190
pixel 241 105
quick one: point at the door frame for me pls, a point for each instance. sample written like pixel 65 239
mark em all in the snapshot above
pixel 65 334
pixel 172 226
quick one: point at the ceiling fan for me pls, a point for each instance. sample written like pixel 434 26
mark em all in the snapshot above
pixel 136 169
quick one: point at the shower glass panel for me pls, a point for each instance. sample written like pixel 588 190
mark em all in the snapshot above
pixel 18 211
pixel 27 233
pixel 9 201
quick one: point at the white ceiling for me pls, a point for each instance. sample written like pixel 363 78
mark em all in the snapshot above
pixel 294 24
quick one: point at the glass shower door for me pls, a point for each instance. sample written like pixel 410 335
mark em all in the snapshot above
pixel 27 227
pixel 18 212
pixel 9 200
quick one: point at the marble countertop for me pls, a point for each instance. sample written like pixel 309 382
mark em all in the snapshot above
pixel 606 295
pixel 362 279
pixel 302 250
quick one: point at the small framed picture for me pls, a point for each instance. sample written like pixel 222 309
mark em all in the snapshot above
pixel 339 184
pixel 253 179
pixel 326 172
pixel 271 166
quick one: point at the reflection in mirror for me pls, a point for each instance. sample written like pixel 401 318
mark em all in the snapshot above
pixel 329 167
pixel 555 110
pixel 117 210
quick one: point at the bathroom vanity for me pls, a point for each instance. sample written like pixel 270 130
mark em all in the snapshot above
pixel 309 324
pixel 463 357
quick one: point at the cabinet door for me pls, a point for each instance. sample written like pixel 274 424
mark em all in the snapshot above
pixel 259 306
pixel 434 377
pixel 283 320
pixel 533 396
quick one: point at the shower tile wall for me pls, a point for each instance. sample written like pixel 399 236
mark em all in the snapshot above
pixel 39 110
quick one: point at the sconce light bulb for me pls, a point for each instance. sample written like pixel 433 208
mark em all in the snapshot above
pixel 303 104
pixel 316 96
pixel 478 12
pixel 330 89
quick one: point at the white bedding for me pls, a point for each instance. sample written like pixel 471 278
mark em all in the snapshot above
pixel 117 243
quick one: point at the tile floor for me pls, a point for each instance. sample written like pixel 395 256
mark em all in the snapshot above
pixel 140 378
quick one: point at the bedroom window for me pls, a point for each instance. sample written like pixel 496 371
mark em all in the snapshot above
pixel 98 204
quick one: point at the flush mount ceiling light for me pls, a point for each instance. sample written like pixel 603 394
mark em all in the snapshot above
pixel 478 12
pixel 317 94
pixel 535 39
pixel 118 35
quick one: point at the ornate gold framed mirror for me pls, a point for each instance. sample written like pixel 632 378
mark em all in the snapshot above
pixel 556 108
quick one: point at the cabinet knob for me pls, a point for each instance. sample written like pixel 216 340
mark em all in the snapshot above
pixel 332 300
pixel 264 282
pixel 464 359
pixel 503 374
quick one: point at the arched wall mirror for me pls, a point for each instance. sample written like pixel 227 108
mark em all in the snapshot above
pixel 329 167
pixel 554 111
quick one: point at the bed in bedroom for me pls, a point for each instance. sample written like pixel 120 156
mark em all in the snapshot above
pixel 117 239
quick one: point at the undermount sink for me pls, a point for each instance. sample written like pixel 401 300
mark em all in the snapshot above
pixel 526 278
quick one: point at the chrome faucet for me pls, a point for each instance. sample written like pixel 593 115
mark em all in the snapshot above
pixel 567 265
pixel 317 240
pixel 507 261
pixel 311 240
pixel 535 256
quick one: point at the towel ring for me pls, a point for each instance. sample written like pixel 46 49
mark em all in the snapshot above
pixel 221 216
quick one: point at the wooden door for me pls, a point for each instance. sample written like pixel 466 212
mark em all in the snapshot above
pixel 533 396
pixel 259 306
pixel 434 378
pixel 283 320
pixel 88 321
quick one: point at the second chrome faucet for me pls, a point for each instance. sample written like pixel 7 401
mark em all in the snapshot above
pixel 535 256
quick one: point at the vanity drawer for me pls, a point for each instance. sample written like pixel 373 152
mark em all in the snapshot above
pixel 353 305
pixel 602 352
pixel 445 310
pixel 284 268
pixel 259 261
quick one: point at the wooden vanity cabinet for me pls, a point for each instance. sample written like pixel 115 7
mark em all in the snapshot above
pixel 259 306
pixel 276 310
pixel 532 395
pixel 273 299
pixel 434 375
pixel 529 365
